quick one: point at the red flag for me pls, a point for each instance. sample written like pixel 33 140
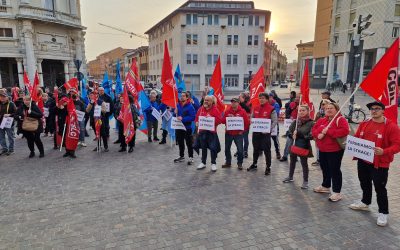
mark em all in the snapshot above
pixel 27 83
pixel 73 83
pixel 97 127
pixel 15 95
pixel 129 127
pixel 170 92
pixel 305 86
pixel 381 82
pixel 132 80
pixel 216 84
pixel 257 86
pixel 34 91
pixel 72 129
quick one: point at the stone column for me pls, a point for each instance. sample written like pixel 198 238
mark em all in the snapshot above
pixel 40 72
pixel 313 66
pixel 325 65
pixel 331 66
pixel 66 70
pixel 27 30
pixel 360 79
pixel 20 72
pixel 345 68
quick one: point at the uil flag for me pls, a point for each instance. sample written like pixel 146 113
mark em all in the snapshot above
pixel 170 92
pixel 118 82
pixel 73 83
pixel 257 86
pixel 72 129
pixel 129 127
pixel 381 82
pixel 34 90
pixel 216 84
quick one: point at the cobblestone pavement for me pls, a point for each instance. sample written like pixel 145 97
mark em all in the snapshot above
pixel 145 201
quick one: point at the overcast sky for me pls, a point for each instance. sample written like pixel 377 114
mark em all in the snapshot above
pixel 291 21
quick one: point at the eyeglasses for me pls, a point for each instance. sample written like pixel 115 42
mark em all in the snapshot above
pixel 375 109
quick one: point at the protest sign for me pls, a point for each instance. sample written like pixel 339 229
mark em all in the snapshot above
pixel 206 123
pixel 167 115
pixel 286 124
pixel 360 148
pixel 156 114
pixel 261 125
pixel 176 124
pixel 81 115
pixel 6 122
pixel 46 112
pixel 234 123
pixel 97 111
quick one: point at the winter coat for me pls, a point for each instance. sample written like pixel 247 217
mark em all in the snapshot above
pixel 303 136
pixel 35 113
pixel 339 128
pixel 187 112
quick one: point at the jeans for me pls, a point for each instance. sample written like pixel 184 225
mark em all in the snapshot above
pixel 207 142
pixel 183 136
pixel 367 174
pixel 262 143
pixel 10 135
pixel 238 139
pixel 304 164
pixel 152 125
pixel 246 141
pixel 330 164
pixel 289 143
pixel 82 130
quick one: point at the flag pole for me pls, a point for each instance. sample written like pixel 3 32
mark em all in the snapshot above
pixel 62 139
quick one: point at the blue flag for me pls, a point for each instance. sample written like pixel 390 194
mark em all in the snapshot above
pixel 84 94
pixel 118 82
pixel 180 83
pixel 144 103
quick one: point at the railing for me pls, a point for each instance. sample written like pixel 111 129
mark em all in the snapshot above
pixel 48 15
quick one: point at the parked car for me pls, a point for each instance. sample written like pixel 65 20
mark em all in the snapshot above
pixel 284 84
pixel 276 83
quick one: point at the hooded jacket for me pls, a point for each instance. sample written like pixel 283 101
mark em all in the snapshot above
pixel 240 112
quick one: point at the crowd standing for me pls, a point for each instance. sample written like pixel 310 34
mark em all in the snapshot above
pixel 48 116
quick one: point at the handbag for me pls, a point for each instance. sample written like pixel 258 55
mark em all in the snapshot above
pixel 299 151
pixel 30 124
pixel 342 140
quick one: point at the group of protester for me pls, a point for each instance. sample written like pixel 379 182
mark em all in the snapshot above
pixel 49 116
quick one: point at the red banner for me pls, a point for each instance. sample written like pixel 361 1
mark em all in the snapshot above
pixel 257 86
pixel 129 127
pixel 27 83
pixel 72 130
pixel 132 80
pixel 170 92
pixel 216 84
pixel 34 91
pixel 73 83
pixel 305 86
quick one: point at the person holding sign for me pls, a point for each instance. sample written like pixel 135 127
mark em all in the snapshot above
pixel 152 122
pixel 326 133
pixel 245 103
pixel 7 112
pixel 275 137
pixel 300 132
pixel 79 106
pixel 185 113
pixel 262 140
pixel 236 122
pixel 101 119
pixel 386 135
pixel 207 135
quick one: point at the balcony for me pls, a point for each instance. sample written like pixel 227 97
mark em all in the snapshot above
pixel 29 12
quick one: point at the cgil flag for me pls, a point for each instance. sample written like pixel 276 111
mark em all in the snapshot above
pixel 34 89
pixel 72 83
pixel 129 127
pixel 72 130
pixel 170 92
pixel 257 86
pixel 216 84
pixel 382 82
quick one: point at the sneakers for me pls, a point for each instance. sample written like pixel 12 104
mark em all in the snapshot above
pixel 236 154
pixel 41 155
pixel 245 155
pixel 287 180
pixel 240 166
pixel 201 166
pixel 213 167
pixel 149 140
pixel 359 205
pixel 226 165
pixel 322 189
pixel 155 139
pixel 253 167
pixel 382 220
pixel 3 152
pixel 335 197
pixel 83 144
pixel 130 150
pixel 79 143
pixel 190 161
pixel 122 150
pixel 163 142
pixel 106 150
pixel 278 156
pixel 32 154
pixel 283 159
pixel 180 159
pixel 315 163
pixel 304 185
pixel 10 152
pixel 267 170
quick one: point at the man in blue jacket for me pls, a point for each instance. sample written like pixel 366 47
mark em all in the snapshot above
pixel 152 122
pixel 187 114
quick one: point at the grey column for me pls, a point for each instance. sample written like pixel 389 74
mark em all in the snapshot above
pixel 20 72
pixel 27 30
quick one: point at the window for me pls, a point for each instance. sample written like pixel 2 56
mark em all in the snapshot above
pixel 335 39
pixel 161 48
pixel 72 7
pixel 255 59
pixel 215 39
pixel 209 59
pixel 250 40
pixel 170 44
pixel 215 59
pixel 235 40
pixel 337 22
pixel 395 32
pixel 188 59
pixel 232 81
pixel 235 60
pixel 352 18
pixel 188 19
pixel 216 20
pixel 188 39
pixel 194 18
pixel 349 37
pixel 319 66
pixel 194 36
pixel 157 49
pixel 257 21
pixel 255 40
pixel 3 2
pixel 195 59
pixel 248 59
pixel 250 20
pixel 229 42
pixel 48 4
pixel 236 20
pixel 229 59
pixel 209 40
pixel 209 19
pixel 6 32
pixel 397 10
pixel 208 78
pixel 229 20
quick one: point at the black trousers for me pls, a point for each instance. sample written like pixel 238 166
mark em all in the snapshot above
pixel 152 128
pixel 330 164
pixel 32 139
pixel 121 136
pixel 183 136
pixel 262 143
pixel 367 174
pixel 304 165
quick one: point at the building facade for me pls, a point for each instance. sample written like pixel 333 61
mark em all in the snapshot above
pixel 107 62
pixel 42 35
pixel 385 23
pixel 291 71
pixel 200 31
pixel 275 62
pixel 141 55
pixel 305 52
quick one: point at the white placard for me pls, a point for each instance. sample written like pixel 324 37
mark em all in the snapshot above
pixel 286 124
pixel 274 131
pixel 156 114
pixel 167 115
pixel 46 112
pixel 234 123
pixel 360 148
pixel 97 111
pixel 261 125
pixel 107 106
pixel 176 124
pixel 81 115
pixel 206 123
pixel 6 122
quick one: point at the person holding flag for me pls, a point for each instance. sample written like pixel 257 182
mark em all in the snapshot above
pixel 99 122
pixel 80 106
pixel 7 109
pixel 72 129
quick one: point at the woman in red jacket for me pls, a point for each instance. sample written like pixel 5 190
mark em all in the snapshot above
pixel 386 135
pixel 326 132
